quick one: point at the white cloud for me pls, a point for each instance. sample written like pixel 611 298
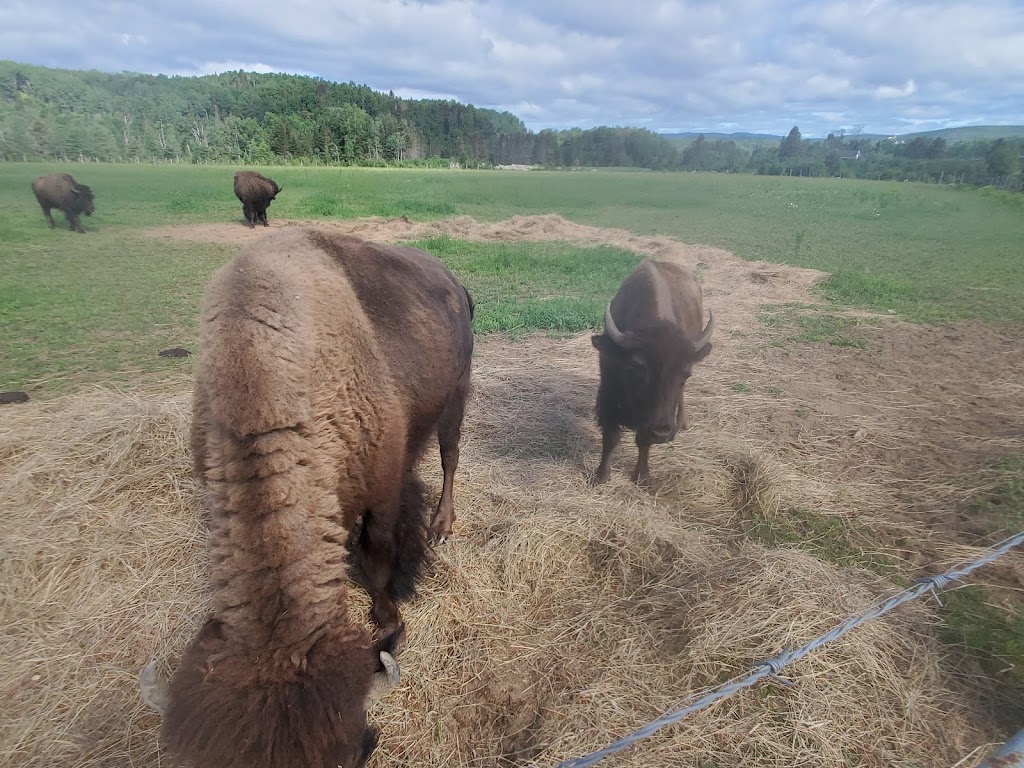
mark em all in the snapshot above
pixel 889 92
pixel 416 93
pixel 216 67
pixel 746 64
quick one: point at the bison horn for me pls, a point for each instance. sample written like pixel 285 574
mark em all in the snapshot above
pixel 705 335
pixel 154 689
pixel 386 680
pixel 610 328
pixel 76 190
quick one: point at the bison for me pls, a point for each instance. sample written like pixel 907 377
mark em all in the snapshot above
pixel 325 364
pixel 256 192
pixel 652 339
pixel 60 190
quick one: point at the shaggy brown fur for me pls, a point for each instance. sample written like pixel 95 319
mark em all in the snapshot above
pixel 60 190
pixel 657 314
pixel 325 363
pixel 256 192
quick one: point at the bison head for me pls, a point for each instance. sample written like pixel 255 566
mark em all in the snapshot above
pixel 81 198
pixel 356 755
pixel 326 701
pixel 648 368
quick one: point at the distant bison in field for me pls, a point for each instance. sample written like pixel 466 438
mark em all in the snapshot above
pixel 256 192
pixel 6 398
pixel 325 364
pixel 59 190
pixel 652 339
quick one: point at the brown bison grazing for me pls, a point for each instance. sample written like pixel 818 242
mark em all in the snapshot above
pixel 256 193
pixel 59 190
pixel 325 364
pixel 652 339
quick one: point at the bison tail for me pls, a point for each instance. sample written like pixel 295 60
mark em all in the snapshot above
pixel 231 709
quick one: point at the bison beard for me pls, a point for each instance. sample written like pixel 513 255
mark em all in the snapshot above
pixel 315 394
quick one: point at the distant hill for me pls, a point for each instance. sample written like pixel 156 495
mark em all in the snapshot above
pixel 966 133
pixel 262 118
pixel 737 137
pixel 971 133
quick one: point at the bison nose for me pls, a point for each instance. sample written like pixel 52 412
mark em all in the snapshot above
pixel 662 433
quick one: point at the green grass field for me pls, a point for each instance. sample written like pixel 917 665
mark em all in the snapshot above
pixel 79 308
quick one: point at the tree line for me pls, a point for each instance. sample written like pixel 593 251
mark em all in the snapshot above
pixel 980 162
pixel 262 119
pixel 245 117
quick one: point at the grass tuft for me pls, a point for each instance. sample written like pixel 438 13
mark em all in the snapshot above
pixel 521 287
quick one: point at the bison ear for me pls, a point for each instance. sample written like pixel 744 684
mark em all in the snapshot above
pixel 603 344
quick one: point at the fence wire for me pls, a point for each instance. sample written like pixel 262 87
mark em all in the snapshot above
pixel 772 667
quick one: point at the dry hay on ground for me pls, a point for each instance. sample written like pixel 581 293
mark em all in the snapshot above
pixel 557 620
pixel 559 617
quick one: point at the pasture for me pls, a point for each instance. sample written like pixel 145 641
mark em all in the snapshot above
pixel 861 418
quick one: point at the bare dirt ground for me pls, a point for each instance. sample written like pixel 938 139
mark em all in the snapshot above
pixel 561 617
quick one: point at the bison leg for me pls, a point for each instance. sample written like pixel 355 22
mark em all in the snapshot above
pixel 642 473
pixel 49 218
pixel 610 437
pixel 74 223
pixel 393 545
pixel 449 433
pixel 262 213
pixel 378 545
pixel 250 215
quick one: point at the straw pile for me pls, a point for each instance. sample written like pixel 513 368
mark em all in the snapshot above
pixel 559 617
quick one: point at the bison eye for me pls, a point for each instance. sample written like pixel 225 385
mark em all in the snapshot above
pixel 637 363
pixel 637 369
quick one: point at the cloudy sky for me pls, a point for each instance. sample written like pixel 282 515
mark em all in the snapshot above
pixel 887 66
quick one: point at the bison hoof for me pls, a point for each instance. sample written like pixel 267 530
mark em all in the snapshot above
pixel 600 477
pixel 439 535
pixel 442 522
